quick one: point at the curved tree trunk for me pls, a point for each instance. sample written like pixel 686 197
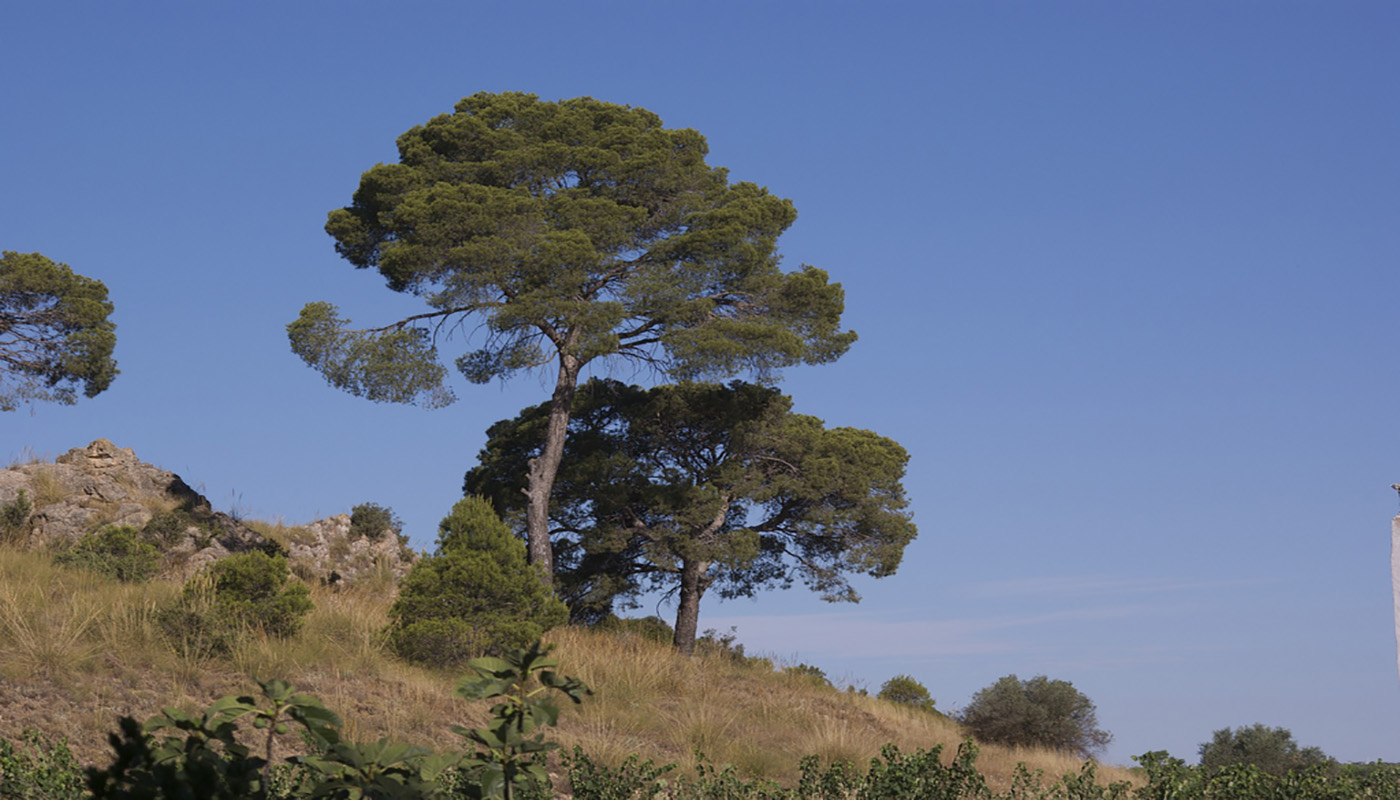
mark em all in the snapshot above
pixel 543 468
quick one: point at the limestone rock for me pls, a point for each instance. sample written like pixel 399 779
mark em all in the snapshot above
pixel 327 550
pixel 89 488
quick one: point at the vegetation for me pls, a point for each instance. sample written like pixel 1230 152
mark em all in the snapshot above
pixel 237 595
pixel 572 231
pixel 372 521
pixel 55 337
pixel 476 596
pixel 692 487
pixel 906 691
pixel 14 520
pixel 1271 750
pixel 1038 712
pixel 117 552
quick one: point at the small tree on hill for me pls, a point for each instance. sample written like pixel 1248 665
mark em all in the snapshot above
pixel 1036 713
pixel 54 333
pixel 1270 749
pixel 476 596
pixel 906 691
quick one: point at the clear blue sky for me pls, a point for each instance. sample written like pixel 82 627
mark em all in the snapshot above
pixel 1124 276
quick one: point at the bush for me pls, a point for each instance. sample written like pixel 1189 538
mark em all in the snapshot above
pixel 1272 750
pixel 117 552
pixel 14 520
pixel 476 596
pixel 371 521
pixel 1037 713
pixel 806 671
pixel 906 691
pixel 251 591
pixel 651 629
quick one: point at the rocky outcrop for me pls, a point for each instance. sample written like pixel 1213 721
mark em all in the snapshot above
pixel 89 488
pixel 329 550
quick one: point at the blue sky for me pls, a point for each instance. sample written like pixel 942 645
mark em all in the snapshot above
pixel 1123 274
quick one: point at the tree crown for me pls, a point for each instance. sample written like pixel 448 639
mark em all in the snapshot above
pixel 575 228
pixel 55 335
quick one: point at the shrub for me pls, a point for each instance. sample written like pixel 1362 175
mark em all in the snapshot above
pixel 475 596
pixel 906 691
pixel 251 591
pixel 371 521
pixel 14 520
pixel 40 769
pixel 651 629
pixel 806 671
pixel 117 552
pixel 1038 712
pixel 1270 749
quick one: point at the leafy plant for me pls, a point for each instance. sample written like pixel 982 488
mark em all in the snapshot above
pixel 511 746
pixel 39 769
pixel 117 552
pixel 1270 749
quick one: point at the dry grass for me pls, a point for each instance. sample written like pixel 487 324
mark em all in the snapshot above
pixel 77 651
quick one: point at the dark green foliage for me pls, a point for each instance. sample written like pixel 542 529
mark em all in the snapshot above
pixel 476 595
pixel 39 769
pixel 14 520
pixel 1272 750
pixel 906 691
pixel 54 333
pixel 235 595
pixel 372 521
pixel 255 587
pixel 117 552
pixel 696 487
pixel 653 628
pixel 170 528
pixel 1035 713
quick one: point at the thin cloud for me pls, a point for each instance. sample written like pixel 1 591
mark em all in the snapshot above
pixel 1102 585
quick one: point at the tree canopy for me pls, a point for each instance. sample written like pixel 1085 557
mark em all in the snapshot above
pixel 1270 749
pixel 699 486
pixel 55 337
pixel 1039 712
pixel 565 232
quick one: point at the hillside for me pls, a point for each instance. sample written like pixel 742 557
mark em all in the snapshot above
pixel 78 650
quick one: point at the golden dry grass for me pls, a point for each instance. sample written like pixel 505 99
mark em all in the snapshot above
pixel 77 651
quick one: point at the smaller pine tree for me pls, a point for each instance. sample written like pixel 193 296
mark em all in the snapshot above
pixel 476 596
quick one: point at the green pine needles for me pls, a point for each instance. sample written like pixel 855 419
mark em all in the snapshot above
pixel 476 596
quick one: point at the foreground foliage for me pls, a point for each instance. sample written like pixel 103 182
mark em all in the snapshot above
pixel 210 763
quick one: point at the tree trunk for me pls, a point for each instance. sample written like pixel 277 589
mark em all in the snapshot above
pixel 544 468
pixel 695 579
pixel 693 583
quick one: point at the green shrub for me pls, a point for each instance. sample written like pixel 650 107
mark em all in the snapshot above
pixel 371 521
pixel 807 671
pixel 1270 749
pixel 117 552
pixel 652 629
pixel 251 591
pixel 906 691
pixel 1035 713
pixel 39 769
pixel 14 520
pixel 476 596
